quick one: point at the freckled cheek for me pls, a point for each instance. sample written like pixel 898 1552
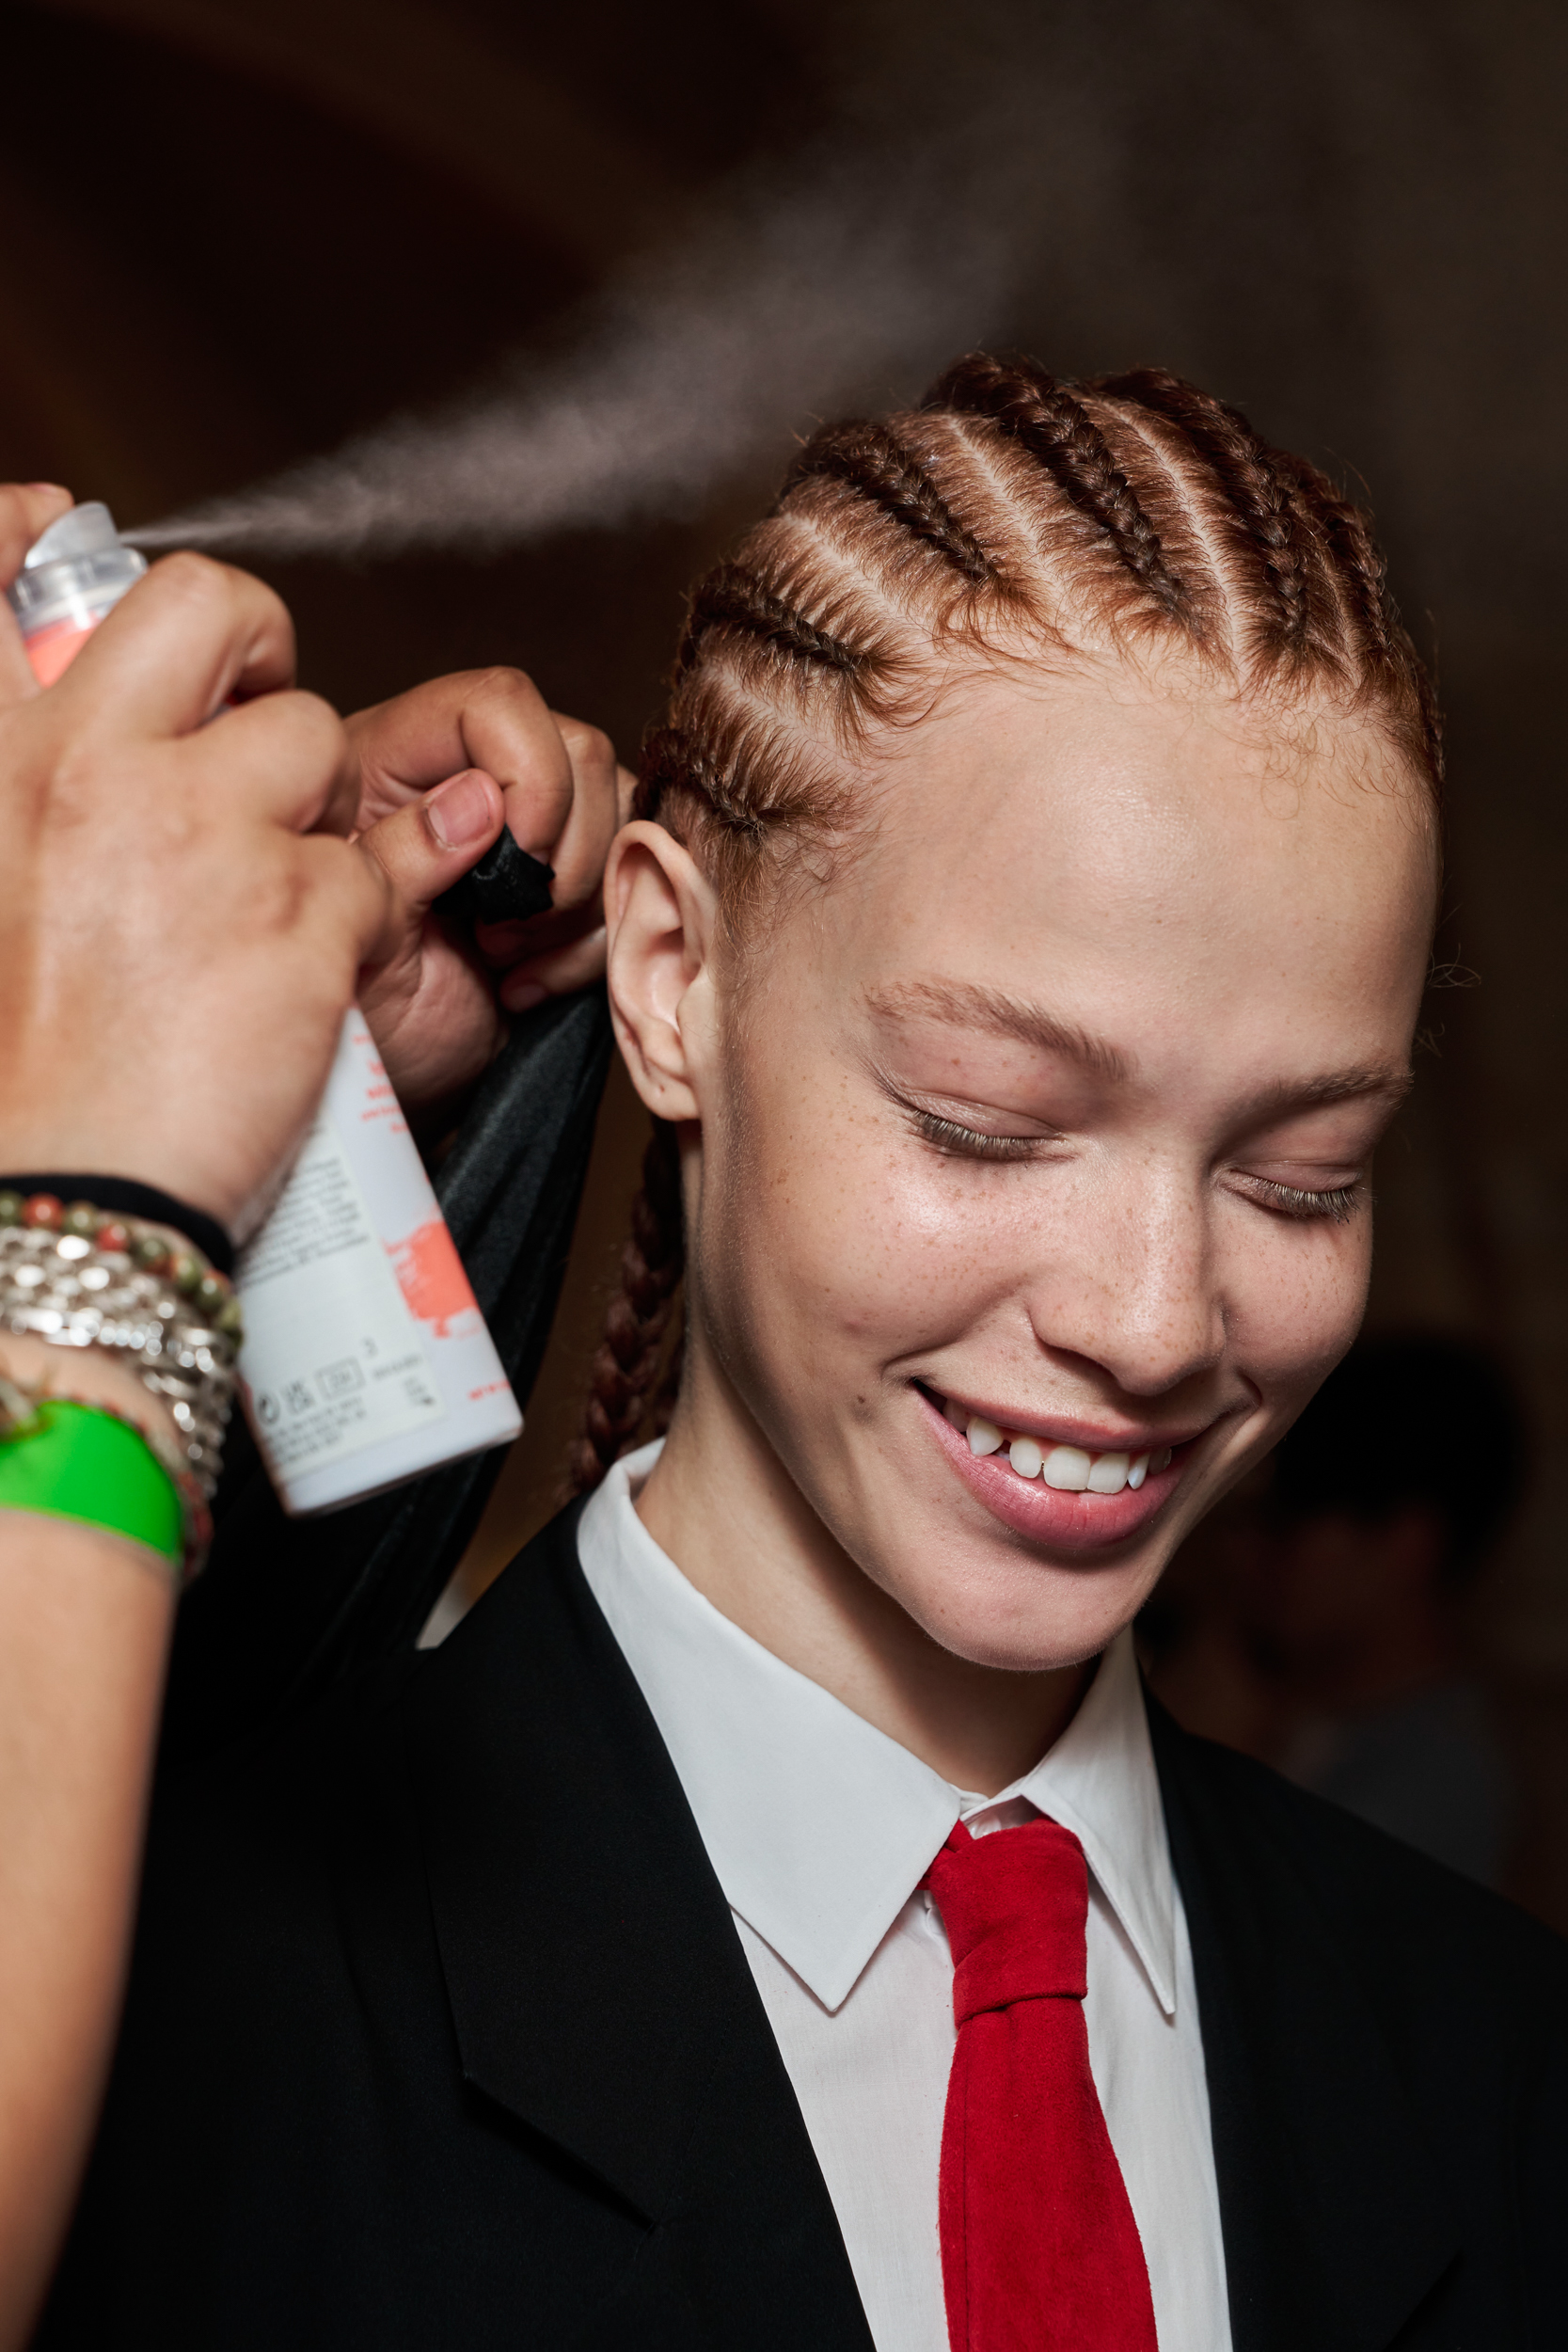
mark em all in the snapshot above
pixel 876 1259
pixel 1298 1309
pixel 835 1237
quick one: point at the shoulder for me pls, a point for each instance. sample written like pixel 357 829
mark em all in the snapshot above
pixel 325 1796
pixel 1409 1926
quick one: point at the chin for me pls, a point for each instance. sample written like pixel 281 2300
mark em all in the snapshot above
pixel 1025 1616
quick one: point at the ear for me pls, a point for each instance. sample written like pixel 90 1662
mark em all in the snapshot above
pixel 662 919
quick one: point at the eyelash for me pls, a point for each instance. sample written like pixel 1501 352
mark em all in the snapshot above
pixel 968 1143
pixel 1340 1204
pixel 948 1135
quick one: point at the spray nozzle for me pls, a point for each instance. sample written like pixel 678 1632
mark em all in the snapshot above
pixel 88 529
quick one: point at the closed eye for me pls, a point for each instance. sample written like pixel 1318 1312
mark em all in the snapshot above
pixel 1339 1202
pixel 956 1141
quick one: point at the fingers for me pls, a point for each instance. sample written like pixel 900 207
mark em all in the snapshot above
pixel 564 794
pixel 186 639
pixel 353 917
pixel 581 844
pixel 495 719
pixel 26 511
pixel 284 756
pixel 424 849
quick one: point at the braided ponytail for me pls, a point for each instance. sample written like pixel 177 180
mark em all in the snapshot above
pixel 624 1385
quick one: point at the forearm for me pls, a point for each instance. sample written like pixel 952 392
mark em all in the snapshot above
pixel 85 1621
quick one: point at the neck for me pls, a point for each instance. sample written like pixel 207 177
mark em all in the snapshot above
pixel 723 1507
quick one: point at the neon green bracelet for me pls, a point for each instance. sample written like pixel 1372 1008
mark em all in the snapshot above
pixel 73 1461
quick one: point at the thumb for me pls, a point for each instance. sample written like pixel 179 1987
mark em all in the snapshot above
pixel 425 848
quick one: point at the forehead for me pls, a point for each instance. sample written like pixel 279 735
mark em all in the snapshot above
pixel 1111 843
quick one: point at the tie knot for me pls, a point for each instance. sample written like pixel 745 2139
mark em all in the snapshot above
pixel 1014 1904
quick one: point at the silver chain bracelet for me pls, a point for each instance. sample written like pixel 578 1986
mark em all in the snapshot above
pixel 151 1302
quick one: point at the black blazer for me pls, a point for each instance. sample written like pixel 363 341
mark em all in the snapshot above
pixel 440 2035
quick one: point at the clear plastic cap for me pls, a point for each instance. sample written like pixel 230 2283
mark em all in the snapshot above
pixel 85 530
pixel 76 572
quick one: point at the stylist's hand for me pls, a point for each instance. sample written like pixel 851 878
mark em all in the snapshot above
pixel 494 754
pixel 180 927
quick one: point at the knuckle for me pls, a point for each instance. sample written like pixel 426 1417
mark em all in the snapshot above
pixel 500 681
pixel 196 579
pixel 591 747
pixel 313 733
pixel 281 890
pixel 317 725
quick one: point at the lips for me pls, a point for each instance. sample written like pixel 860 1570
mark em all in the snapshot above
pixel 1091 1509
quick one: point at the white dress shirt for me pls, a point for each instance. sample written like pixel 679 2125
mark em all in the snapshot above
pixel 820 1829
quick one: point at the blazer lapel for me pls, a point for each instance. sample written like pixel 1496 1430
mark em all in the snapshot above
pixel 1336 2223
pixel 596 1984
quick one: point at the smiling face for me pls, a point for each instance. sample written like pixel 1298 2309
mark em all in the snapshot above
pixel 1049 1120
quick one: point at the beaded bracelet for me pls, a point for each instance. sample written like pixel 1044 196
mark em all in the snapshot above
pixel 71 1458
pixel 83 1276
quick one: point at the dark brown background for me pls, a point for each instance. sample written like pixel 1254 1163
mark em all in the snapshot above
pixel 235 231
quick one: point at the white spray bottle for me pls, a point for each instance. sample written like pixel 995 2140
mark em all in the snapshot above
pixel 366 1360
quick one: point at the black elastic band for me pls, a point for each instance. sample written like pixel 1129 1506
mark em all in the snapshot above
pixel 128 1199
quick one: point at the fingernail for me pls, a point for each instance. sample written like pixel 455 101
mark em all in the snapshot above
pixel 50 489
pixel 523 997
pixel 458 811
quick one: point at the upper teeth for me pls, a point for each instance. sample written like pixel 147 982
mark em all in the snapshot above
pixel 1065 1467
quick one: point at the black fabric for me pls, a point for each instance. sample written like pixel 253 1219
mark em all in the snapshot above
pixel 439 2034
pixel 126 1198
pixel 507 885
pixel 287 1607
pixel 1386 2049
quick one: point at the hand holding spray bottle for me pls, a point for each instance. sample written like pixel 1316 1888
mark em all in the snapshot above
pixel 366 1360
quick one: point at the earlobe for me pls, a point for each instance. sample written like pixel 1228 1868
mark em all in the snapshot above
pixel 662 915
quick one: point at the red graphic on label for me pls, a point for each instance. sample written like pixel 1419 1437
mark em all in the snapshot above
pixel 431 1277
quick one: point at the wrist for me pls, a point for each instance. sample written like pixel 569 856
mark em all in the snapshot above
pixel 128 1197
pixel 103 1290
pixel 88 1375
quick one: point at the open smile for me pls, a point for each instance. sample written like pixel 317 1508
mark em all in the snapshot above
pixel 1069 1497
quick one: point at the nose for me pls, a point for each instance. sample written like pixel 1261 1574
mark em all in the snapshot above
pixel 1129 1281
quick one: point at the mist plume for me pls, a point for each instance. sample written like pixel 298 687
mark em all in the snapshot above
pixel 688 370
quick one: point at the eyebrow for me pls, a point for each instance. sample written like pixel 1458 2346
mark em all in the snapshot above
pixel 1334 1085
pixel 968 1007
pixel 965 1005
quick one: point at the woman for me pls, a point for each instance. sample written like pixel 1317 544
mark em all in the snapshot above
pixel 775 1917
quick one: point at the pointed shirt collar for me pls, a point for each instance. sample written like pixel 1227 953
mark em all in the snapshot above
pixel 818 1826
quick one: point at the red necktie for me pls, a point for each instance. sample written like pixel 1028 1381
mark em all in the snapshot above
pixel 1039 2249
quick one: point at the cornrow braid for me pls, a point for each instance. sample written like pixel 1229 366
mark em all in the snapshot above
pixel 1359 570
pixel 1256 494
pixel 733 597
pixel 624 1371
pixel 1059 432
pixel 672 762
pixel 1361 575
pixel 870 460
